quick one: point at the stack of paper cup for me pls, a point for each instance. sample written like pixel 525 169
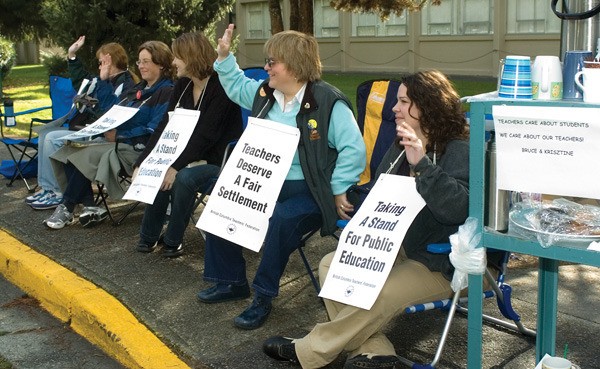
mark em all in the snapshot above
pixel 516 78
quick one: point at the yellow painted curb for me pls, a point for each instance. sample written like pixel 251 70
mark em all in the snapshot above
pixel 91 311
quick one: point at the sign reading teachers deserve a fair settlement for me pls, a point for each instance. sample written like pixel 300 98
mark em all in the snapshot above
pixel 168 148
pixel 113 118
pixel 244 196
pixel 550 150
pixel 370 242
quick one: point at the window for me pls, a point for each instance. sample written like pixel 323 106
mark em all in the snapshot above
pixel 531 16
pixel 259 22
pixel 458 17
pixel 371 25
pixel 326 19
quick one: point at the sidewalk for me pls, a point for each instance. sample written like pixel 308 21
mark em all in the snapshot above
pixel 119 297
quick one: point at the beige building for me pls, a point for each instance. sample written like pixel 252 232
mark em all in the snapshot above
pixel 459 37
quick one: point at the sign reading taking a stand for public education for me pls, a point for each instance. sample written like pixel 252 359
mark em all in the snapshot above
pixel 113 118
pixel 370 242
pixel 549 150
pixel 168 148
pixel 244 196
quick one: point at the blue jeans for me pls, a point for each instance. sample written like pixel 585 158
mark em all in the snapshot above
pixel 181 196
pixel 48 143
pixel 295 214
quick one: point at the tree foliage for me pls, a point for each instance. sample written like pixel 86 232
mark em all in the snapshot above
pixel 129 23
pixel 383 8
pixel 20 20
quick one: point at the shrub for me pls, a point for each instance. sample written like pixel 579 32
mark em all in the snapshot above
pixel 55 64
pixel 8 56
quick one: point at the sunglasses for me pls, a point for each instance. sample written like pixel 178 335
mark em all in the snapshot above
pixel 270 62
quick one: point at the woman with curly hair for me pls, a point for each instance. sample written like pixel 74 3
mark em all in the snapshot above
pixel 432 146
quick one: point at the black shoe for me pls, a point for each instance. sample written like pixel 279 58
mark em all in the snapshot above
pixel 255 315
pixel 280 348
pixel 172 252
pixel 143 246
pixel 375 362
pixel 231 292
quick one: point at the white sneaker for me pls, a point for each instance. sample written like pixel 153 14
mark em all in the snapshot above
pixel 49 201
pixel 36 196
pixel 60 218
pixel 92 215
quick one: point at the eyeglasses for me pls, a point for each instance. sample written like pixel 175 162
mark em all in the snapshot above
pixel 270 62
pixel 143 62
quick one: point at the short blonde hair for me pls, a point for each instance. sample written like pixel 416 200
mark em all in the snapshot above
pixel 299 51
pixel 197 52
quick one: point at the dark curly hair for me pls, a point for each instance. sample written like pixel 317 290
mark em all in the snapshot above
pixel 442 118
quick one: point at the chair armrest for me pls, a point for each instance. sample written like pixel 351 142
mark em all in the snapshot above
pixel 30 111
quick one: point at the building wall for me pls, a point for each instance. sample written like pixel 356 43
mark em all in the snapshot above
pixel 473 55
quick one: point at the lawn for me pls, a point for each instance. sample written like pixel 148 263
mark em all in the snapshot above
pixel 28 86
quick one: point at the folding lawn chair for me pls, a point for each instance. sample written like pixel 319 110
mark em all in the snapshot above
pixel 23 149
pixel 376 121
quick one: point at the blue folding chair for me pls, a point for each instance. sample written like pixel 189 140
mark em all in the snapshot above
pixel 23 149
pixel 376 121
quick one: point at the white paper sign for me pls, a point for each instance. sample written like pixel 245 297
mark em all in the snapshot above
pixel 113 118
pixel 169 147
pixel 370 242
pixel 244 196
pixel 550 150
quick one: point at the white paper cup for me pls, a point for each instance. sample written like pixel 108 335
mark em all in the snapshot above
pixel 552 362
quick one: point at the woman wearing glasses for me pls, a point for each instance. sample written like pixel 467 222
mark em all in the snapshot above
pixel 76 166
pixel 220 122
pixel 328 160
pixel 102 90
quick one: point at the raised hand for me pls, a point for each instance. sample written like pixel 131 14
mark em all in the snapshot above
pixel 224 43
pixel 75 47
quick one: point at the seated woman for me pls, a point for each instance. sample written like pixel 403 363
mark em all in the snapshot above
pixel 433 147
pixel 328 160
pixel 75 167
pixel 220 122
pixel 113 79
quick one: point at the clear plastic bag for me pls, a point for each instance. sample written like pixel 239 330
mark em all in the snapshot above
pixel 466 257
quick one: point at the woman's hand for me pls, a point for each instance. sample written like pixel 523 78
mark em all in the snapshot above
pixel 411 142
pixel 105 67
pixel 224 43
pixel 72 52
pixel 169 179
pixel 110 136
pixel 343 206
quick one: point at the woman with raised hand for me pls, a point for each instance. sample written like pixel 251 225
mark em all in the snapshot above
pixel 432 146
pixel 76 166
pixel 220 122
pixel 328 160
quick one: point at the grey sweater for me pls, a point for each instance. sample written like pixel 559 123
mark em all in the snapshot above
pixel 445 188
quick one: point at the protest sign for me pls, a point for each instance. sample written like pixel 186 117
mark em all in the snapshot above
pixel 113 118
pixel 370 242
pixel 244 196
pixel 171 144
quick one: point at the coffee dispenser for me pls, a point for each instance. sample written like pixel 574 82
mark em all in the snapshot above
pixel 580 24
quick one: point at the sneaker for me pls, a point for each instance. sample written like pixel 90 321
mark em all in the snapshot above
pixel 36 196
pixel 60 218
pixel 50 201
pixel 92 215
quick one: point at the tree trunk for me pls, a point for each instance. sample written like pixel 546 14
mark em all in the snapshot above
pixel 306 21
pixel 295 15
pixel 276 17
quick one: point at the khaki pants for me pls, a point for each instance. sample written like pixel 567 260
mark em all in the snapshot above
pixel 359 331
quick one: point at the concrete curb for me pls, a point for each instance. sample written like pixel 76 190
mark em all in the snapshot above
pixel 89 310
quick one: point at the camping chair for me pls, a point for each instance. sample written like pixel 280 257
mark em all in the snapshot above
pixel 376 121
pixel 23 149
pixel 499 288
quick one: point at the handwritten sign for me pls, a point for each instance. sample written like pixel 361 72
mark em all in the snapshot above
pixel 171 144
pixel 244 196
pixel 551 150
pixel 113 118
pixel 370 242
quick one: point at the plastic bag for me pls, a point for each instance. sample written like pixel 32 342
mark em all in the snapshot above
pixel 466 257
